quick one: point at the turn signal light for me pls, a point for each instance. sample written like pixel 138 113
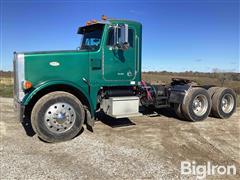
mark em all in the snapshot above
pixel 27 85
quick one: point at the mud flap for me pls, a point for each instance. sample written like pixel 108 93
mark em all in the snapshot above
pixel 88 119
pixel 178 93
pixel 19 109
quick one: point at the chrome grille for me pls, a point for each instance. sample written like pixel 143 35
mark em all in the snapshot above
pixel 18 67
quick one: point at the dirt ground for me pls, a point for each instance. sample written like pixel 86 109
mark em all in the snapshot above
pixel 139 148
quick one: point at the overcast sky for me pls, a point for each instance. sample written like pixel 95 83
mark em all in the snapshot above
pixel 177 35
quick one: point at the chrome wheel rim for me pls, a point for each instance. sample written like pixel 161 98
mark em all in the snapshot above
pixel 227 103
pixel 200 105
pixel 59 117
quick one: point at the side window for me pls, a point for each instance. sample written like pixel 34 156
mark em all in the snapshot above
pixel 110 39
pixel 92 42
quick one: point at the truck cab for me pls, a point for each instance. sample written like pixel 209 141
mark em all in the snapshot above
pixel 59 91
pixel 107 62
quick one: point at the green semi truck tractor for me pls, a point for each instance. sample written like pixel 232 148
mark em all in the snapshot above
pixel 60 91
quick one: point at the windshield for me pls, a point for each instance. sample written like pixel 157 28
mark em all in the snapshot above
pixel 92 36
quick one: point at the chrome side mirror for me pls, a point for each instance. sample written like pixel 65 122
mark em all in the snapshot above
pixel 121 36
pixel 124 37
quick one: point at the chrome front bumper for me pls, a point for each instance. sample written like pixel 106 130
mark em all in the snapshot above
pixel 19 109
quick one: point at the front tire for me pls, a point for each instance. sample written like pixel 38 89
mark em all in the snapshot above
pixel 57 116
pixel 197 104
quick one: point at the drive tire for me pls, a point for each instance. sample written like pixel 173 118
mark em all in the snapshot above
pixel 191 110
pixel 73 122
pixel 218 99
pixel 212 91
pixel 178 111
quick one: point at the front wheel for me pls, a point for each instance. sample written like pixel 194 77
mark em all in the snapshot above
pixel 57 116
pixel 197 104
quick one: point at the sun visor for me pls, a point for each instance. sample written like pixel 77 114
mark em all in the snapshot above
pixel 89 28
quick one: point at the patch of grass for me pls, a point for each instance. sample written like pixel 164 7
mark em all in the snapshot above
pixel 6 80
pixel 6 90
pixel 6 86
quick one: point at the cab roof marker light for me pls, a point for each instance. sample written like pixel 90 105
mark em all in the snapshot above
pixel 104 18
pixel 94 21
pixel 88 23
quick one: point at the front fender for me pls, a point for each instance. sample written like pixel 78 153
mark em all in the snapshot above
pixel 46 84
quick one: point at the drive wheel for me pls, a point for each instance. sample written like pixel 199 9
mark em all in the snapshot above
pixel 224 103
pixel 197 104
pixel 212 91
pixel 178 111
pixel 57 116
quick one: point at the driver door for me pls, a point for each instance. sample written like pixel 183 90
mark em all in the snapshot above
pixel 119 65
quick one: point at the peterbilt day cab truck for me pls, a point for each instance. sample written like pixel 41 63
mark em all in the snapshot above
pixel 59 91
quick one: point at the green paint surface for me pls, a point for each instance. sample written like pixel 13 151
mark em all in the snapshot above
pixel 104 67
